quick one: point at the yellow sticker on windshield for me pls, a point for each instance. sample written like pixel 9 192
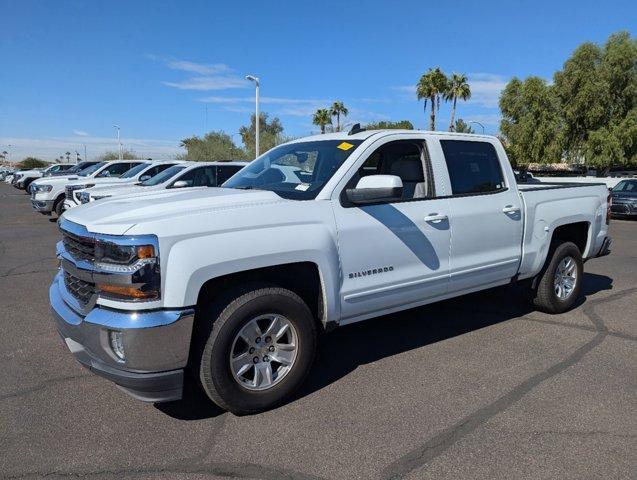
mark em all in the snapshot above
pixel 344 146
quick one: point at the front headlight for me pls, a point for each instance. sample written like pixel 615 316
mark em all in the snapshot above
pixel 42 188
pixel 127 271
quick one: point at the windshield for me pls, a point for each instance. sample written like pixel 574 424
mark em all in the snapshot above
pixel 163 176
pixel 135 170
pixel 296 171
pixel 626 186
pixel 79 167
pixel 92 169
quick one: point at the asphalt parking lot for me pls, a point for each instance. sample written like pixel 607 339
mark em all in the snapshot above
pixel 477 387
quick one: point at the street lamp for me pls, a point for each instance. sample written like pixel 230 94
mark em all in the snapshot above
pixel 477 123
pixel 254 79
pixel 119 144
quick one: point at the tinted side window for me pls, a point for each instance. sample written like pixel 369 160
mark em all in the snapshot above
pixel 200 177
pixel 151 172
pixel 473 167
pixel 224 172
pixel 116 169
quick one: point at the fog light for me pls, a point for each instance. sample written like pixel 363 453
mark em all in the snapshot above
pixel 117 344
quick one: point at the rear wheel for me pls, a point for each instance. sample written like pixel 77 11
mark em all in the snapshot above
pixel 259 350
pixel 560 282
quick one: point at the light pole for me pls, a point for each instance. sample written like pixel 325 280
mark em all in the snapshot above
pixel 477 123
pixel 254 79
pixel 119 144
pixel 85 157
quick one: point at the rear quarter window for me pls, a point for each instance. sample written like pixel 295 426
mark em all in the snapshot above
pixel 473 167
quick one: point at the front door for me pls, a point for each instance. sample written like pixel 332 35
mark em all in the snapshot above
pixel 394 255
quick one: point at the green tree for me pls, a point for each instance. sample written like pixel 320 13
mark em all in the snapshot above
pixel 458 88
pixel 112 155
pixel 214 146
pixel 531 121
pixel 270 134
pixel 431 87
pixel 32 162
pixel 337 109
pixel 597 88
pixel 322 117
pixel 384 125
pixel 461 127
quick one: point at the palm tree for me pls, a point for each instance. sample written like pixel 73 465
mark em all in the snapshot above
pixel 322 117
pixel 432 86
pixel 338 109
pixel 458 89
pixel 68 155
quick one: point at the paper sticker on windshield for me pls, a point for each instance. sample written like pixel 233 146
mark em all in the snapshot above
pixel 302 186
pixel 344 146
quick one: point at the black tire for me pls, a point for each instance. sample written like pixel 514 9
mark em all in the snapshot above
pixel 236 311
pixel 27 184
pixel 58 207
pixel 546 298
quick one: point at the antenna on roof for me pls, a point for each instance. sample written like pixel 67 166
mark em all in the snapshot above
pixel 356 128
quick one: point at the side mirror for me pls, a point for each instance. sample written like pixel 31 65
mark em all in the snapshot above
pixel 376 189
pixel 143 178
pixel 180 184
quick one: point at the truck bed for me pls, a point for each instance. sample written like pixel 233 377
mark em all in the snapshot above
pixel 547 206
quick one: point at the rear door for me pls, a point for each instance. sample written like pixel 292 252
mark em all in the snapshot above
pixel 396 254
pixel 486 220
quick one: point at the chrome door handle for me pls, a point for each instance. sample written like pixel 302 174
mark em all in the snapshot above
pixel 435 217
pixel 511 209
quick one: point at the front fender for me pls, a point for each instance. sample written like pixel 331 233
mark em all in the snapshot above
pixel 193 261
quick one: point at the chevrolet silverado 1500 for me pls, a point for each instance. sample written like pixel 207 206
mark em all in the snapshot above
pixel 233 284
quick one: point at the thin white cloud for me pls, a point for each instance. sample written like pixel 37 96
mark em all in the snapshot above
pixel 50 148
pixel 199 68
pixel 209 83
pixel 209 76
pixel 486 88
pixel 80 133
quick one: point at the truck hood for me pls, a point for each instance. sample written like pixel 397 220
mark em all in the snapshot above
pixel 102 181
pixel 59 179
pixel 125 189
pixel 117 216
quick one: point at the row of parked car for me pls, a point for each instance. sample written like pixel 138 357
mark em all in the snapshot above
pixel 162 279
pixel 61 186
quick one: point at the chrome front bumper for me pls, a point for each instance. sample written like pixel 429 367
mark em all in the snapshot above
pixel 156 344
pixel 42 206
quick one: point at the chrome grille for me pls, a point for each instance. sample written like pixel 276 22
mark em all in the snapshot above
pixel 81 290
pixel 80 248
pixel 68 193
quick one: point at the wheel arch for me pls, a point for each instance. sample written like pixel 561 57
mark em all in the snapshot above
pixel 303 278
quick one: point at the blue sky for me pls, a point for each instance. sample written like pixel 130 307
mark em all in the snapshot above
pixel 72 69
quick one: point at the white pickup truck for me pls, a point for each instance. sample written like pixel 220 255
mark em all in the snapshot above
pixel 48 194
pixel 28 176
pixel 233 284
pixel 182 175
pixel 141 172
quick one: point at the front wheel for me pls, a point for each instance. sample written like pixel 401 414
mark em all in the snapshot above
pixel 259 351
pixel 561 281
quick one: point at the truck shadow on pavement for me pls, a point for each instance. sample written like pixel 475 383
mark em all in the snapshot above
pixel 390 335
